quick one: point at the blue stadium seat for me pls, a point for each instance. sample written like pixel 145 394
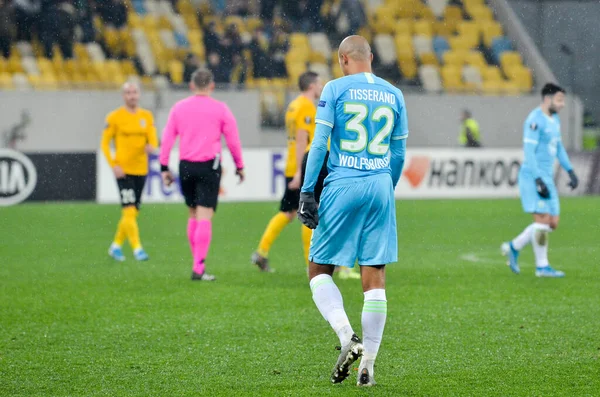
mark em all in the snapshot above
pixel 181 40
pixel 440 46
pixel 139 7
pixel 499 45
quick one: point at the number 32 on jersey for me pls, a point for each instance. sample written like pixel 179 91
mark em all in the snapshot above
pixel 356 124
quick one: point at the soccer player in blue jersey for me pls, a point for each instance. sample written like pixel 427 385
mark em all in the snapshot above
pixel 365 117
pixel 542 144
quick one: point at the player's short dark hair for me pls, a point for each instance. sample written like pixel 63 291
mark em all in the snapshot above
pixel 550 89
pixel 201 78
pixel 306 79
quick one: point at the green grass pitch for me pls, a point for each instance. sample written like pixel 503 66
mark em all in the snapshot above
pixel 75 323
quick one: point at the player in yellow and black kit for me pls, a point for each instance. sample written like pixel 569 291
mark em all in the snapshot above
pixel 132 131
pixel 300 126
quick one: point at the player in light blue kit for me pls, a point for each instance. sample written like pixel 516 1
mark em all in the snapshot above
pixel 542 144
pixel 356 219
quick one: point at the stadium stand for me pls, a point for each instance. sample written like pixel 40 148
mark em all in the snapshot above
pixel 436 44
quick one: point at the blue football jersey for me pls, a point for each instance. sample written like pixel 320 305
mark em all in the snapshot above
pixel 365 113
pixel 541 132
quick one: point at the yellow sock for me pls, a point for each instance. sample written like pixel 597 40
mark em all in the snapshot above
pixel 120 235
pixel 306 236
pixel 274 228
pixel 131 227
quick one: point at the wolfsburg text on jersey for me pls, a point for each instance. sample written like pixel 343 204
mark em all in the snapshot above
pixel 361 163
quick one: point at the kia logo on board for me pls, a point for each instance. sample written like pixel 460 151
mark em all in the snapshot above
pixel 18 177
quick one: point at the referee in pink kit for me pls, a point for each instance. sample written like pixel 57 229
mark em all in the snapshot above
pixel 199 121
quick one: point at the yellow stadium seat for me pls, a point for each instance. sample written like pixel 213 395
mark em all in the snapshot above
pixel 453 13
pixel 317 57
pixel 423 27
pixel 296 56
pixel 492 87
pixel 6 81
pixel 185 7
pixel 475 58
pixel 164 23
pixel 112 39
pixel 490 30
pixel 134 20
pixel 454 58
pixel 299 41
pixel 441 28
pixel 3 65
pixel 236 20
pixel 113 67
pixel 384 24
pixel 191 21
pixel 404 27
pixel 511 88
pixel 469 29
pixel 80 51
pixel 253 23
pixel 491 73
pixel 14 64
pixel 45 66
pixel 461 43
pixel 429 58
pixel 471 3
pixel 176 71
pixel 452 78
pixel 150 23
pixel 409 68
pixel 194 36
pixel 100 70
pixel 481 13
pixel 426 13
pixel 521 76
pixel 509 59
pixel 404 49
pixel 47 82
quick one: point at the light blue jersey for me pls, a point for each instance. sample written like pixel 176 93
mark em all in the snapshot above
pixel 364 113
pixel 542 145
pixel 365 119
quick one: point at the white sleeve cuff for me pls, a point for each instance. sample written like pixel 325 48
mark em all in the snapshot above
pixel 400 137
pixel 327 123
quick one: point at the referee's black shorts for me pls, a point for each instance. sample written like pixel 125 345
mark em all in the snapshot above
pixel 130 189
pixel 321 179
pixel 200 183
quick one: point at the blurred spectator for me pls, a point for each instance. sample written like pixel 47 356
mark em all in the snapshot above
pixel 242 7
pixel 277 50
pixel 190 65
pixel 113 12
pixel 343 17
pixel 231 52
pixel 58 26
pixel 267 8
pixel 85 16
pixel 212 38
pixel 303 14
pixel 259 48
pixel 231 44
pixel 27 14
pixel 356 14
pixel 7 28
pixel 221 72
